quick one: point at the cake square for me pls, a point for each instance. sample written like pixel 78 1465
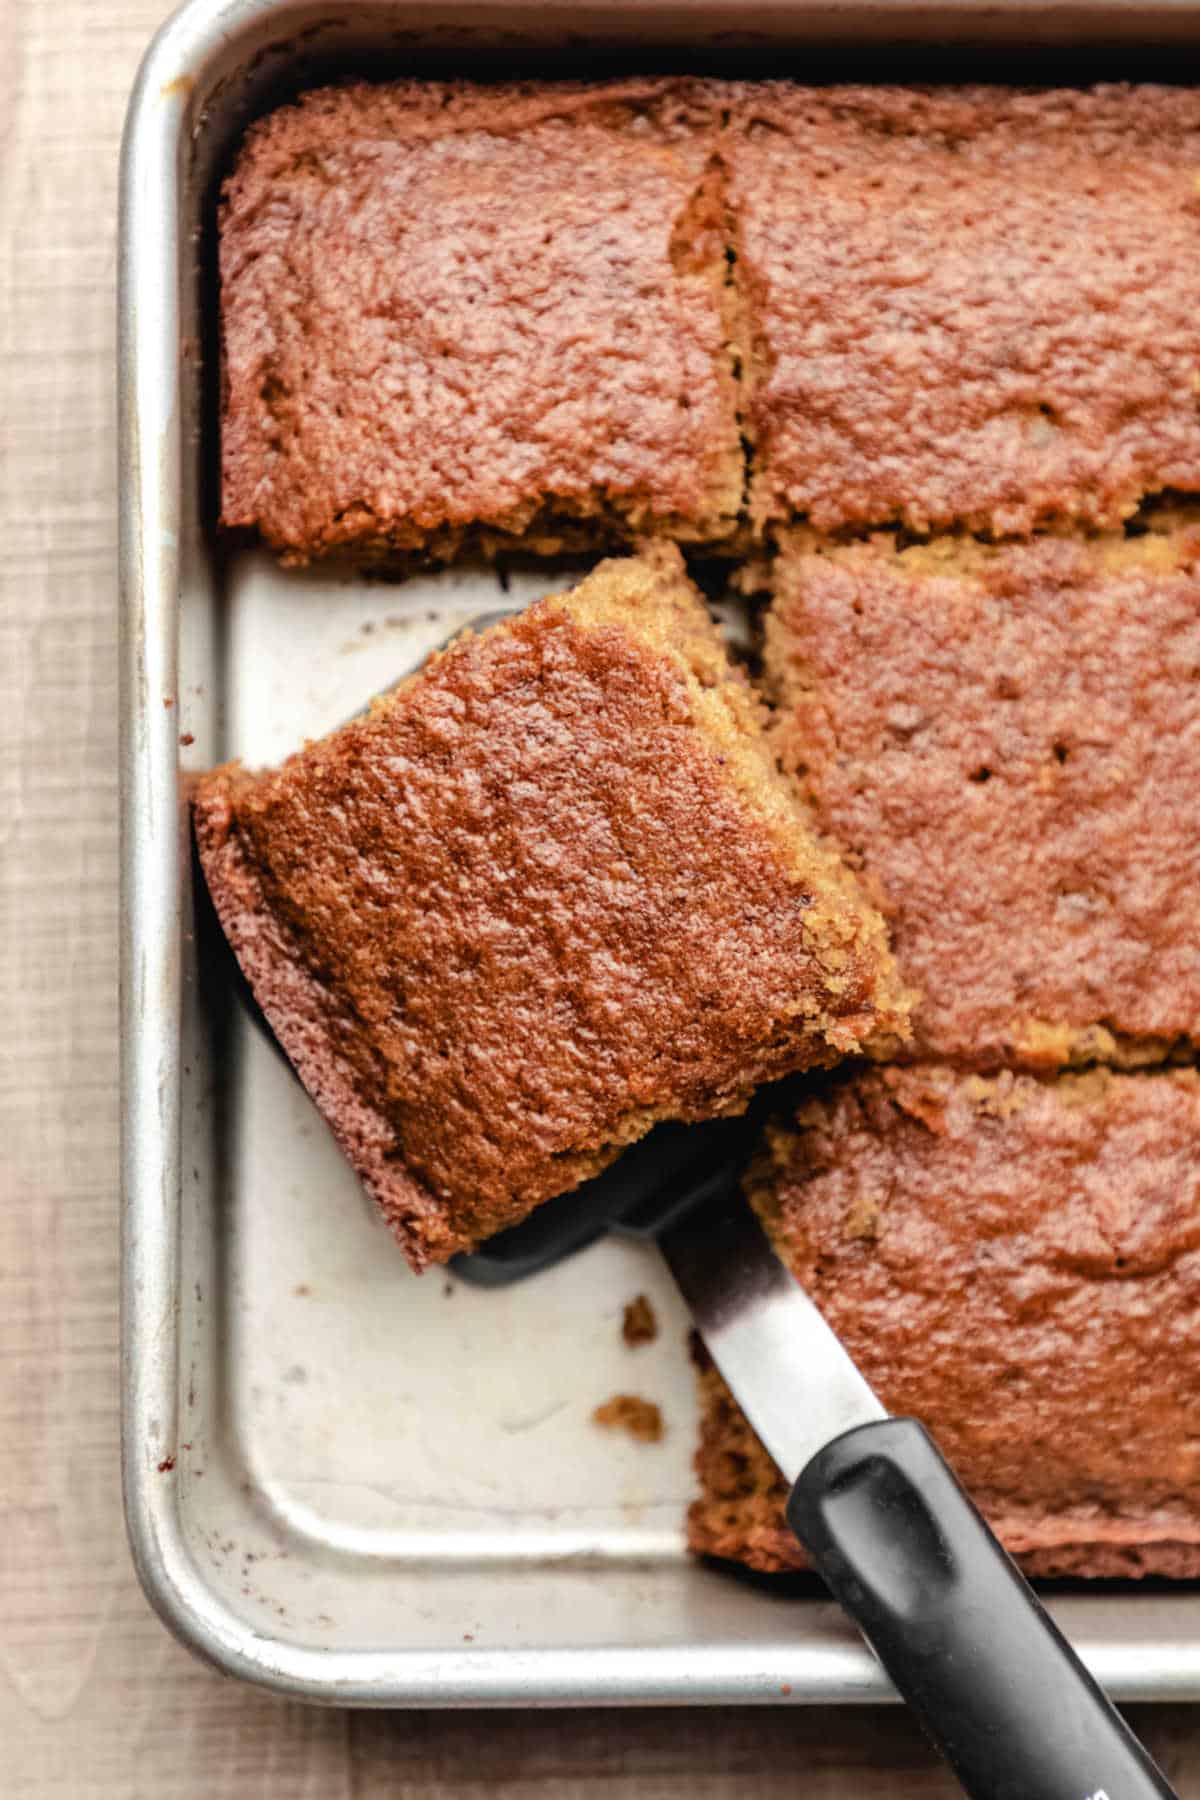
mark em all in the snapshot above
pixel 552 890
pixel 484 314
pixel 967 306
pixel 1005 739
pixel 1016 1263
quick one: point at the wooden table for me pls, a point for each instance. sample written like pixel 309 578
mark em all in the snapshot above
pixel 96 1698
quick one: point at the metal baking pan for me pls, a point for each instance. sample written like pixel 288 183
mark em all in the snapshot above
pixel 342 1482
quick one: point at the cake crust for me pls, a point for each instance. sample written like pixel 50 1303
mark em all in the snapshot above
pixel 1006 739
pixel 465 314
pixel 552 890
pixel 1017 1264
pixel 967 306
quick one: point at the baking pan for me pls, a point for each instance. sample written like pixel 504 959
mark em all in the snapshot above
pixel 341 1481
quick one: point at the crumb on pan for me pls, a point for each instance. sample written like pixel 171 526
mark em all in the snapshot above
pixel 642 1419
pixel 639 1324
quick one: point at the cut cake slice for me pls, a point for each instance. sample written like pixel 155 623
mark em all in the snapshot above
pixel 552 890
pixel 1016 1263
pixel 478 315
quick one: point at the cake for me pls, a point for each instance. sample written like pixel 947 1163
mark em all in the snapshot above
pixel 966 306
pixel 1005 739
pixel 491 315
pixel 544 314
pixel 570 880
pixel 1016 1263
pixel 551 890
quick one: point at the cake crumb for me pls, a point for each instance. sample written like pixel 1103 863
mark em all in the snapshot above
pixel 639 1324
pixel 642 1419
pixel 863 1216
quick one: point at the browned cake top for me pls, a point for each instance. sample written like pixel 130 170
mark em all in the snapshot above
pixel 1017 1264
pixel 969 305
pixel 551 890
pixel 445 305
pixel 1007 740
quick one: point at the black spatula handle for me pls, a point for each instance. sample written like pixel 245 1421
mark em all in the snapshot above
pixel 992 1680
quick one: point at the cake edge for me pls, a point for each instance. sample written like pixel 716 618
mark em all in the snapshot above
pixel 297 1009
pixel 768 1546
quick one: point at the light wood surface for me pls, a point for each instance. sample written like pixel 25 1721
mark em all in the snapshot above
pixel 96 1699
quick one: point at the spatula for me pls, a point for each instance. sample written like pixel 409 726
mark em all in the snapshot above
pixel 876 1507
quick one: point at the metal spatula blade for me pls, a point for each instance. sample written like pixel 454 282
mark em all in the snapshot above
pixel 766 1336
